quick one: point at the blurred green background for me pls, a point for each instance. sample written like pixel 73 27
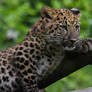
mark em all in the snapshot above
pixel 17 16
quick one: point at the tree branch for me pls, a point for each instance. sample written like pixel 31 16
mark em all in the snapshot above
pixel 71 63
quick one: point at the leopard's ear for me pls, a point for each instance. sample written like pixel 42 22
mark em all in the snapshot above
pixel 47 12
pixel 76 11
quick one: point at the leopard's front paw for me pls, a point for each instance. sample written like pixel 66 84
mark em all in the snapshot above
pixel 83 45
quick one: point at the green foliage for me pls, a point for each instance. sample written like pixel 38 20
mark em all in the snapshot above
pixel 19 15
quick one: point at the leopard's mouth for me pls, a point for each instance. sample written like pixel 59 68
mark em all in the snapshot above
pixel 69 48
pixel 68 44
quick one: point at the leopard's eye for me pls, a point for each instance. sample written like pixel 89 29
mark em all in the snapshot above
pixel 77 27
pixel 63 27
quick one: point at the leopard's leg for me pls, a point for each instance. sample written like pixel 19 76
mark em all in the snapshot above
pixel 28 74
pixel 33 89
pixel 30 83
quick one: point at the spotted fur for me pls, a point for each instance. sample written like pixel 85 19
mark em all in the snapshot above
pixel 41 51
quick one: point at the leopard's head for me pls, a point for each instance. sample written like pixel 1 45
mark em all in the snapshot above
pixel 61 24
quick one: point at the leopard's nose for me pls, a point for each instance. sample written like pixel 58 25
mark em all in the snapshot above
pixel 72 39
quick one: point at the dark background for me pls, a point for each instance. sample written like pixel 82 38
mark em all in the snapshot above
pixel 17 17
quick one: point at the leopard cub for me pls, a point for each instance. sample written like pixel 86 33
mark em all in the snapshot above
pixel 41 51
